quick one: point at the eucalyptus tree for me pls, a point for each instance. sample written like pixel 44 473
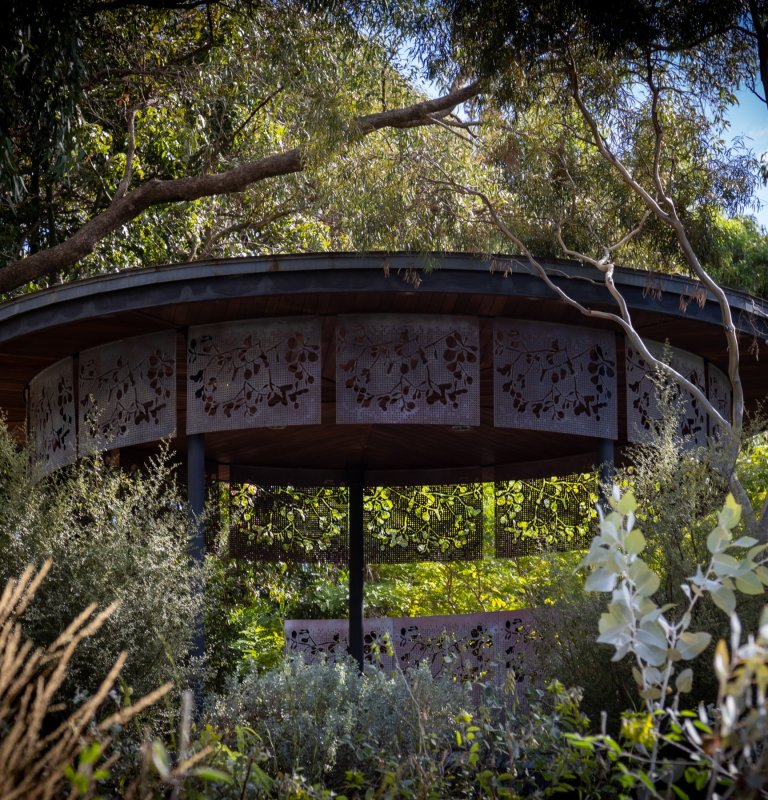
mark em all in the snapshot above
pixel 607 134
pixel 141 132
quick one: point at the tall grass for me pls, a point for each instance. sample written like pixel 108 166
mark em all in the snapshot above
pixel 39 737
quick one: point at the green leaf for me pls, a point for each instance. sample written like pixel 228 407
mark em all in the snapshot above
pixel 684 681
pixel 90 754
pixel 635 542
pixel 730 514
pixel 724 565
pixel 160 759
pixel 745 541
pixel 724 599
pixel 626 505
pixel 655 656
pixel 601 580
pixel 679 792
pixel 212 775
pixel 646 580
pixel 718 540
pixel 749 583
pixel 690 645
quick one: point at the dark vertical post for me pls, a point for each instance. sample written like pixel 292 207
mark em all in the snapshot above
pixel 605 458
pixel 355 482
pixel 196 499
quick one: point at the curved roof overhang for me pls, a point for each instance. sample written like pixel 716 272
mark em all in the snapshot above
pixel 39 329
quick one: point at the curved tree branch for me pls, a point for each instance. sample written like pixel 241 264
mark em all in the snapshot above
pixel 157 192
pixel 671 218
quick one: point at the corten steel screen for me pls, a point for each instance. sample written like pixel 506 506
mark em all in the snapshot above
pixel 469 646
pixel 52 430
pixel 643 410
pixel 284 523
pixel 407 369
pixel 545 515
pixel 127 392
pixel 405 524
pixel 551 377
pixel 253 373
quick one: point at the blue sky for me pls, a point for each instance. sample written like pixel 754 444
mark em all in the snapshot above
pixel 749 120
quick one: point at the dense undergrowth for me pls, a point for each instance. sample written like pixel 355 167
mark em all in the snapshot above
pixel 274 728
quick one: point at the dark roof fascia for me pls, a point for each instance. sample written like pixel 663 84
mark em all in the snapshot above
pixel 332 272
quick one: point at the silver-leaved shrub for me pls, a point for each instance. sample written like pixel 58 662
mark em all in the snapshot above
pixel 720 750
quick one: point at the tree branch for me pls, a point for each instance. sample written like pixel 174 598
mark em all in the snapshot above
pixel 157 192
pixel 761 37
pixel 672 219
pixel 245 225
pixel 623 319
pixel 122 187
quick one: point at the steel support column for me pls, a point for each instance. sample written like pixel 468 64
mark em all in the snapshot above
pixel 196 500
pixel 355 482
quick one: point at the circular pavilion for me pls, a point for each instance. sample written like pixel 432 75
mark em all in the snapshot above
pixel 380 370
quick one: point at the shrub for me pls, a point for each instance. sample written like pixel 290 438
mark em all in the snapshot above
pixel 308 730
pixel 326 719
pixel 723 749
pixel 110 536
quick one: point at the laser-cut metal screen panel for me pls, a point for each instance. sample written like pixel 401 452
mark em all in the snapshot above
pixel 552 377
pixel 407 369
pixel 127 392
pixel 484 646
pixel 52 433
pixel 719 394
pixel 423 523
pixel 285 523
pixel 642 394
pixel 253 373
pixel 544 515
pixel 315 640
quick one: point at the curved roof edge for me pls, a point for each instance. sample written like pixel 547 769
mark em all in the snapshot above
pixel 462 272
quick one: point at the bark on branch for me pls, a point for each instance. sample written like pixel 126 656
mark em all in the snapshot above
pixel 157 192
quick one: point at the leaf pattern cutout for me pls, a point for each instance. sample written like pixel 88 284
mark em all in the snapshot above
pixel 53 440
pixel 643 411
pixel 481 646
pixel 128 392
pixel 253 373
pixel 397 369
pixel 538 515
pixel 554 377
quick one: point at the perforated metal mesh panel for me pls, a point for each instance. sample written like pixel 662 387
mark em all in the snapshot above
pixel 400 369
pixel 315 640
pixel 642 396
pixel 52 434
pixel 554 378
pixel 423 523
pixel 468 646
pixel 719 394
pixel 253 373
pixel 545 515
pixel 285 523
pixel 127 392
pixel 401 524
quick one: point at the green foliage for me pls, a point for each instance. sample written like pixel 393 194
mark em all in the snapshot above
pixel 311 730
pixel 204 88
pixel 111 537
pixel 736 252
pixel 661 645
